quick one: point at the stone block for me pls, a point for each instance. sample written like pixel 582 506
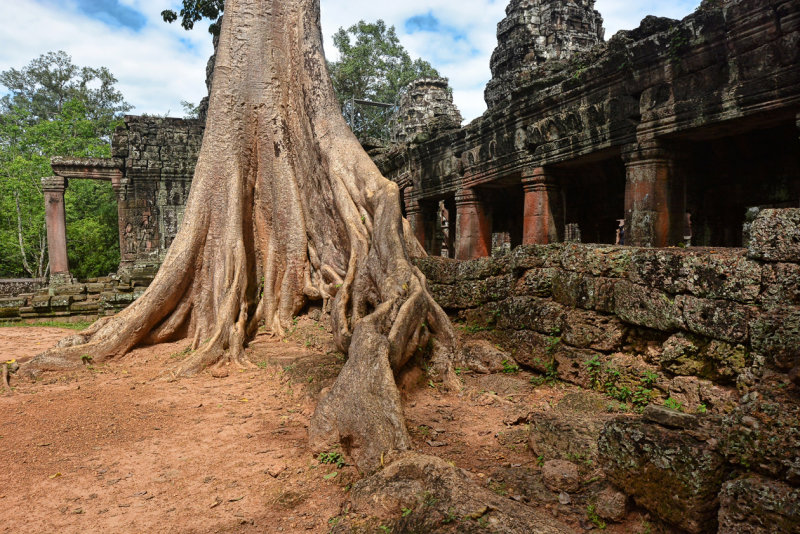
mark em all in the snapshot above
pixel 580 290
pixel 775 236
pixel 775 333
pixel 40 303
pixel 717 319
pixel 781 284
pixel 597 260
pixel 643 306
pixel 752 504
pixel 60 301
pixel 535 256
pixel 536 283
pixel 724 274
pixel 89 306
pixel 530 313
pixel 674 474
pixel 589 330
pixel 762 434
pixel 570 431
pixel 688 355
pixel 71 289
pixel 95 287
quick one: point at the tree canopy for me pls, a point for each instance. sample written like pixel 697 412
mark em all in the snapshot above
pixel 55 108
pixel 195 11
pixel 372 65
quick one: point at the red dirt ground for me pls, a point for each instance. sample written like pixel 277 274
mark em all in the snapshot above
pixel 119 448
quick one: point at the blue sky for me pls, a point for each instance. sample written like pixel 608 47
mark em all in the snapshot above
pixel 160 64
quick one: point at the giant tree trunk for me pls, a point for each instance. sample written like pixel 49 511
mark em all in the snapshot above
pixel 286 207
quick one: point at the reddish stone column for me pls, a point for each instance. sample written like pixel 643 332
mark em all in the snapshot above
pixel 415 215
pixel 655 205
pixel 543 221
pixel 55 218
pixel 473 232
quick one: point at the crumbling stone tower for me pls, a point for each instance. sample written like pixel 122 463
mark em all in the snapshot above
pixel 426 107
pixel 537 31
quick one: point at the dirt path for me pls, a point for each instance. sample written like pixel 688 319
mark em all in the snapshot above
pixel 117 448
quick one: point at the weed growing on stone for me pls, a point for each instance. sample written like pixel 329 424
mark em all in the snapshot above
pixel 591 515
pixel 510 367
pixel 331 457
pixel 672 404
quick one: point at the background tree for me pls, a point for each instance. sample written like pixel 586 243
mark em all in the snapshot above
pixel 195 11
pixel 372 65
pixel 56 108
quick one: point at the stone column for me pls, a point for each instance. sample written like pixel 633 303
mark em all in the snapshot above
pixel 473 232
pixel 55 218
pixel 543 220
pixel 415 215
pixel 655 205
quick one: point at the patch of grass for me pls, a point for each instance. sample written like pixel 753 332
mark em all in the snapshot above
pixel 262 364
pixel 81 325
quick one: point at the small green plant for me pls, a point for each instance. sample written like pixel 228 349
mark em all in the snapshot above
pixel 510 367
pixel 672 404
pixel 262 364
pixel 641 397
pixel 429 499
pixel 333 521
pixel 539 461
pixel 386 529
pixel 86 359
pixel 591 515
pixel 450 517
pixel 702 408
pixel 649 379
pixel 331 457
pixel 552 342
pixel 461 370
pixel 407 512
pixel 593 366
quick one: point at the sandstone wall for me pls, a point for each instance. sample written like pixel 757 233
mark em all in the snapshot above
pixel 15 286
pixel 713 332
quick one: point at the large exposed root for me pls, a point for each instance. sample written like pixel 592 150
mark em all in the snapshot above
pixel 286 207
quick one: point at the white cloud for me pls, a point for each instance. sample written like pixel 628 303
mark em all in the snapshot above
pixel 162 64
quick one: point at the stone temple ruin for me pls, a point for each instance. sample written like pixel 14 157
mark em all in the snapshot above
pixel 679 140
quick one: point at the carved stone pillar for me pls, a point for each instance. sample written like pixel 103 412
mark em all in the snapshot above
pixel 473 232
pixel 55 218
pixel 655 205
pixel 543 220
pixel 415 215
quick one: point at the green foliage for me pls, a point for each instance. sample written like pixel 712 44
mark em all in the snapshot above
pixel 196 10
pixel 372 65
pixel 702 409
pixel 591 515
pixel 55 108
pixel 672 404
pixel 331 457
pixel 510 367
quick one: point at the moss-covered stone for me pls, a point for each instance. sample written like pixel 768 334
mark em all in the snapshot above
pixel 585 329
pixel 719 319
pixel 775 236
pixel 672 473
pixel 688 355
pixel 775 333
pixel 642 306
pixel 752 504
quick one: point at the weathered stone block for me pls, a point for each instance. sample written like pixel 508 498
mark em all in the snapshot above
pixel 60 301
pixel 541 315
pixel 90 306
pixel 642 306
pixel 585 329
pixel 585 291
pixel 726 274
pixel 688 355
pixel 535 256
pixel 717 319
pixel 71 289
pixel 762 433
pixel 776 334
pixel 536 282
pixel 752 504
pixel 597 260
pixel 781 284
pixel 40 303
pixel 570 431
pixel 674 474
pixel 775 235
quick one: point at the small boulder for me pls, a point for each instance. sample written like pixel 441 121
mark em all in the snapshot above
pixel 560 475
pixel 611 505
pixel 484 358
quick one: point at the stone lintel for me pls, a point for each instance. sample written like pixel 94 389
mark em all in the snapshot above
pixel 105 169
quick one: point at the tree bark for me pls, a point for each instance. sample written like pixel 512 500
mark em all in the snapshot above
pixel 286 207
